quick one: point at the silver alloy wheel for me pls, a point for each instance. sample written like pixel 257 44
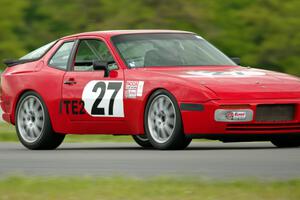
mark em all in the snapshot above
pixel 31 119
pixel 161 118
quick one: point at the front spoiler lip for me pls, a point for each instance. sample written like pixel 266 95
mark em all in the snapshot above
pixel 242 137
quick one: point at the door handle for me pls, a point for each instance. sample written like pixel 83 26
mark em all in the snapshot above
pixel 71 81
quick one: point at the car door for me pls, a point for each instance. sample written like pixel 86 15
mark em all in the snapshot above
pixel 88 96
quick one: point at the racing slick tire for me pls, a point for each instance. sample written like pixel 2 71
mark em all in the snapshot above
pixel 163 123
pixel 142 140
pixel 33 124
pixel 286 142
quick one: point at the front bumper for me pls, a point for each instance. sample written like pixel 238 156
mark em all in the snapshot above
pixel 203 122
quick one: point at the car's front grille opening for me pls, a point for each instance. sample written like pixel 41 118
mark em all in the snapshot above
pixel 275 112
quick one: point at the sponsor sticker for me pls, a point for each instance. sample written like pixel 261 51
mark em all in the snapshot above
pixel 134 89
pixel 140 89
pixel 231 115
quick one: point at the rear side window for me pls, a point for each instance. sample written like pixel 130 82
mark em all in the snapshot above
pixel 38 53
pixel 61 57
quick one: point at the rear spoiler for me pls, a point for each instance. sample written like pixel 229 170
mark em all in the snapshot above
pixel 10 63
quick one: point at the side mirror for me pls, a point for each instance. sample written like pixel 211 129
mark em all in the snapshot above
pixel 98 65
pixel 236 60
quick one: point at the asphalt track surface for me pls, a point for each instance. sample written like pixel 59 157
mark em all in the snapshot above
pixel 202 159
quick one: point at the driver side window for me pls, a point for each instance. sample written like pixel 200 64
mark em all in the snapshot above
pixel 88 51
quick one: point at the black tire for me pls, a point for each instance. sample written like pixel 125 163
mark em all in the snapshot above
pixel 47 138
pixel 176 139
pixel 142 140
pixel 286 142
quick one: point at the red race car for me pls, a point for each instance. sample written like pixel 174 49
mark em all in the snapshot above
pixel 162 87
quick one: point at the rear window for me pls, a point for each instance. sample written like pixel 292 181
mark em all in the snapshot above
pixel 38 53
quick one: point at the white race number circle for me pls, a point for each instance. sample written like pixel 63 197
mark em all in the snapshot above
pixel 103 98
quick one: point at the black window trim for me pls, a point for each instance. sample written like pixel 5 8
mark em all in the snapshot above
pixel 72 55
pixel 75 49
pixel 68 63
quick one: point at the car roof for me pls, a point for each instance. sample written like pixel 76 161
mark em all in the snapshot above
pixel 111 33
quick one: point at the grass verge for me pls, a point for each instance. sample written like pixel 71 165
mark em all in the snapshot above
pixel 7 132
pixel 143 189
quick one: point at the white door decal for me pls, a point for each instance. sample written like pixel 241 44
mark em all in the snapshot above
pixel 103 98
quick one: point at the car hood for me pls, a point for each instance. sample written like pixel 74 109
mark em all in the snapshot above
pixel 234 82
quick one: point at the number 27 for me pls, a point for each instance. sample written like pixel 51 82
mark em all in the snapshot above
pixel 111 86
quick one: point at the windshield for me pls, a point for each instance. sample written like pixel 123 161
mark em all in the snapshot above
pixel 168 49
pixel 38 52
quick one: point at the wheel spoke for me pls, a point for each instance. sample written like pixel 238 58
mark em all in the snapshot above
pixel 168 131
pixel 36 131
pixel 36 105
pixel 32 130
pixel 41 118
pixel 164 100
pixel 26 106
pixel 171 115
pixel 160 103
pixel 152 116
pixel 163 133
pixel 160 135
pixel 28 131
pixel 39 123
pixel 157 107
pixel 39 114
pixel 171 126
pixel 169 106
pixel 30 102
pixel 24 112
pixel 39 128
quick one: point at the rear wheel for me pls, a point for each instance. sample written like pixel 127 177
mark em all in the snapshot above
pixel 33 124
pixel 163 124
pixel 142 140
pixel 285 142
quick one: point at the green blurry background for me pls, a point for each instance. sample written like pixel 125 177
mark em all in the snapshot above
pixel 264 33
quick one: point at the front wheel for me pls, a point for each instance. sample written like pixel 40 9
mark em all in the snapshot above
pixel 163 124
pixel 33 124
